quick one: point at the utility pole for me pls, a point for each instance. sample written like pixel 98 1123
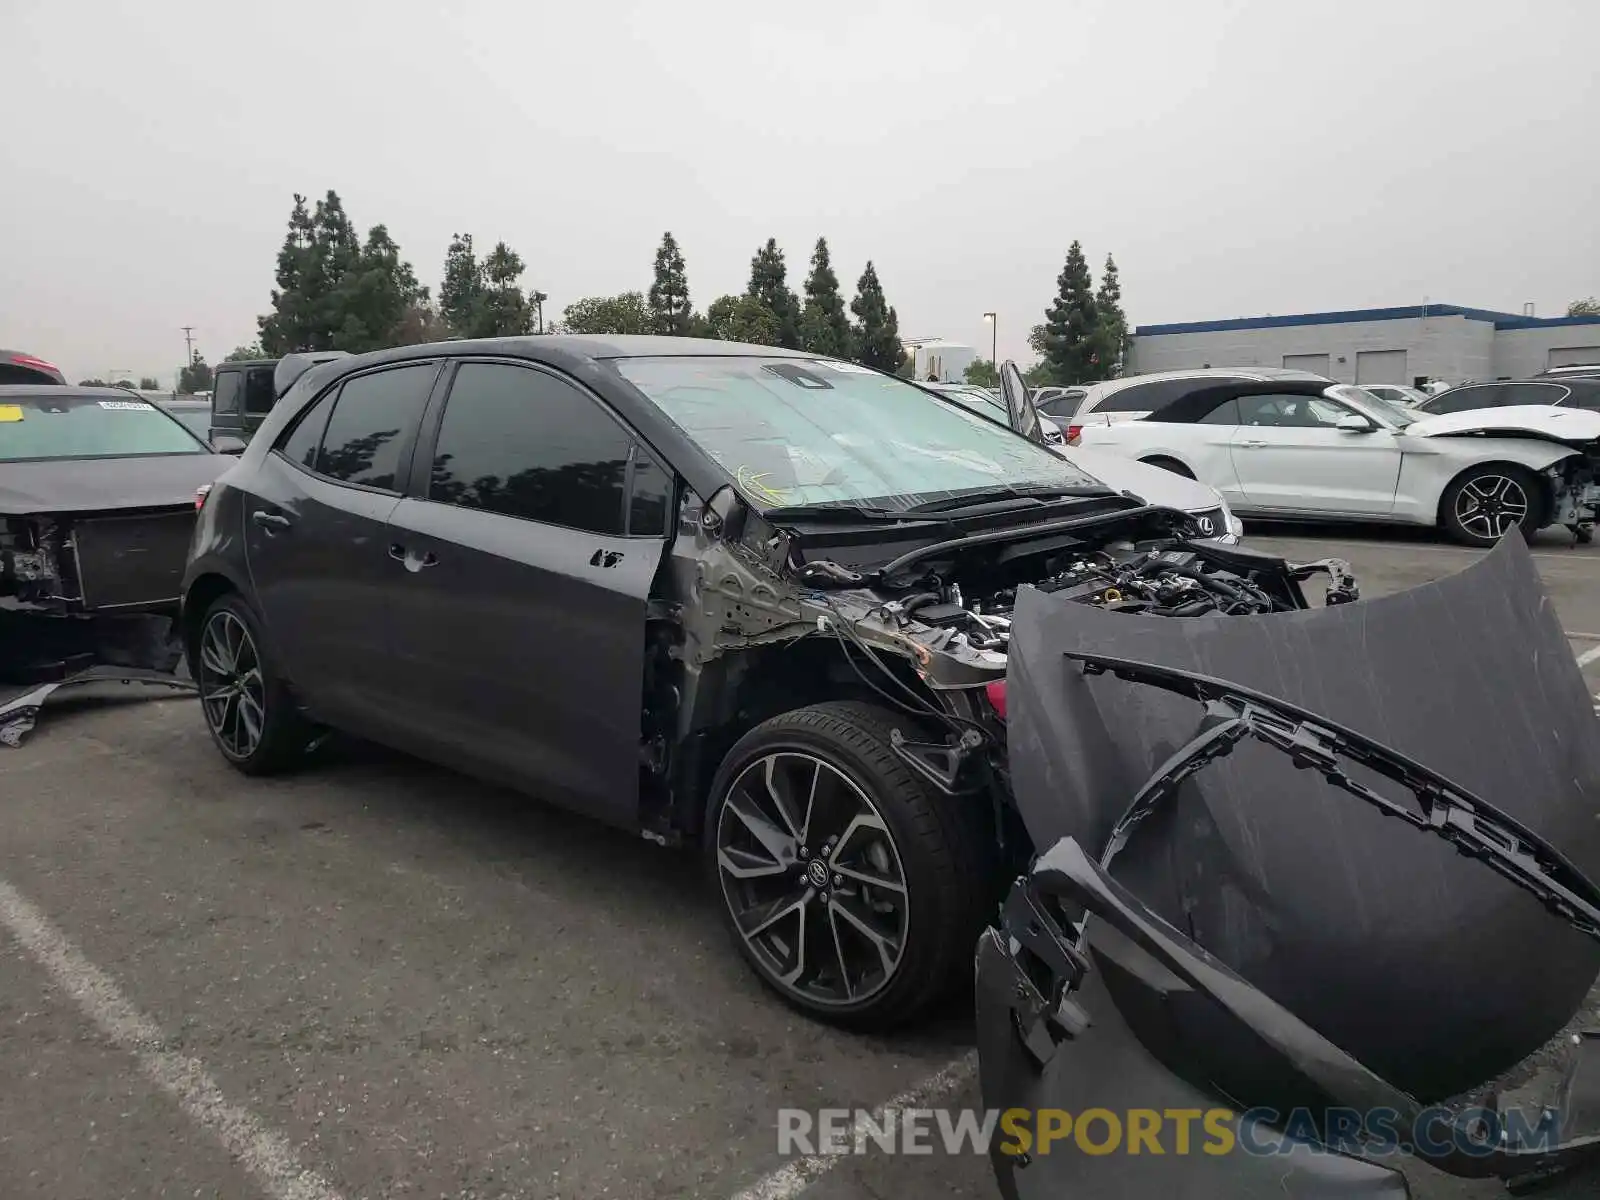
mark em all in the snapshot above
pixel 188 344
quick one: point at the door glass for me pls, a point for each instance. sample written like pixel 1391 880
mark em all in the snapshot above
pixel 371 423
pixel 301 443
pixel 258 391
pixel 225 392
pixel 649 497
pixel 1532 393
pixel 1226 413
pixel 527 444
pixel 1462 400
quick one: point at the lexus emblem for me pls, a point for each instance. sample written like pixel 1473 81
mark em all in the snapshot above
pixel 1206 527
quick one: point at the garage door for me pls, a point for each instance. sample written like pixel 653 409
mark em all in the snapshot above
pixel 1317 363
pixel 1574 356
pixel 1380 366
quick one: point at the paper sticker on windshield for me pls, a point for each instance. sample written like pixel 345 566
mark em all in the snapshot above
pixel 849 368
pixel 125 405
pixel 10 412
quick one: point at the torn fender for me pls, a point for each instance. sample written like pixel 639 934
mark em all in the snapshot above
pixel 1436 973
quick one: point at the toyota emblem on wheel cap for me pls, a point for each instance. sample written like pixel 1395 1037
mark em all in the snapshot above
pixel 817 872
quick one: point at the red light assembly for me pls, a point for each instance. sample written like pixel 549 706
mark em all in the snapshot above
pixel 1073 433
pixel 996 692
pixel 200 494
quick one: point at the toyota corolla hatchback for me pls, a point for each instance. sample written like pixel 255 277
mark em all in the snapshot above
pixel 711 593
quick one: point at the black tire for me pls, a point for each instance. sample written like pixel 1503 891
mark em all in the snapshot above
pixel 1169 464
pixel 1496 489
pixel 943 844
pixel 284 735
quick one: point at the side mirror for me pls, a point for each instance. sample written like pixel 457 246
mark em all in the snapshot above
pixel 1354 423
pixel 227 444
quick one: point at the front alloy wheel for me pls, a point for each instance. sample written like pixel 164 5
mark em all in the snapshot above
pixel 854 888
pixel 1481 508
pixel 812 878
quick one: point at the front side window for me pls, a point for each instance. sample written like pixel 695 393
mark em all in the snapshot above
pixel 792 431
pixel 1226 413
pixel 525 443
pixel 46 426
pixel 372 421
pixel 1291 412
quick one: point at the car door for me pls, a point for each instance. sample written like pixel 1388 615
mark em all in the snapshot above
pixel 315 528
pixel 521 564
pixel 1290 455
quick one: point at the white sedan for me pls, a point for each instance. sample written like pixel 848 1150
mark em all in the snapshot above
pixel 1305 450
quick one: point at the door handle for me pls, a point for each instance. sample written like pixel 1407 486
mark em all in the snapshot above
pixel 269 521
pixel 1252 445
pixel 412 562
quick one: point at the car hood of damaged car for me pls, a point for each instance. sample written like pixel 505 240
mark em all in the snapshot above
pixel 1573 426
pixel 1154 485
pixel 63 485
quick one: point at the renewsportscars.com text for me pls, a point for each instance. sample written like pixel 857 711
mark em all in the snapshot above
pixel 1179 1131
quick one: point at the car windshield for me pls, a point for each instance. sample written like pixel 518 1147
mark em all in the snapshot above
pixel 1397 415
pixel 44 426
pixel 793 431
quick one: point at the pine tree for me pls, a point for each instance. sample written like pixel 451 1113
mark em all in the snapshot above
pixel 824 327
pixel 1111 326
pixel 1070 322
pixel 461 290
pixel 769 284
pixel 669 294
pixel 876 334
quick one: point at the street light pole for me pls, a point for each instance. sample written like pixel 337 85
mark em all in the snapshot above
pixel 994 339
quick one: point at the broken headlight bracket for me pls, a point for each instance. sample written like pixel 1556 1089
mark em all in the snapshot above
pixel 1342 585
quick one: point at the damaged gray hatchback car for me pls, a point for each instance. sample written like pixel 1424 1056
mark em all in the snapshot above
pixel 731 596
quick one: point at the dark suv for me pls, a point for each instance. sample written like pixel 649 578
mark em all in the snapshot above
pixel 1569 392
pixel 714 594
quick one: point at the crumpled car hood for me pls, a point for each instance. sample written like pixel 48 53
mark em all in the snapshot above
pixel 1432 969
pixel 1573 426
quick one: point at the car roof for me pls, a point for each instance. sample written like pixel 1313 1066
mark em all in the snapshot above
pixel 1109 386
pixel 564 348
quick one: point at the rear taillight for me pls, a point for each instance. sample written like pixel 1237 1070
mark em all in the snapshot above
pixel 1073 432
pixel 200 494
pixel 996 692
pixel 38 364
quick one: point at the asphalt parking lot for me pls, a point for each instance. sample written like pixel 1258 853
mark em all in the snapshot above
pixel 377 978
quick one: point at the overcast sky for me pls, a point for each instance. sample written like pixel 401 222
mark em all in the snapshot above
pixel 1237 157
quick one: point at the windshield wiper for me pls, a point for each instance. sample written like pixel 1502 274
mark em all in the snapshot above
pixel 843 511
pixel 1023 498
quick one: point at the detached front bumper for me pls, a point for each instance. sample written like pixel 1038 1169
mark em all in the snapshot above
pixel 1094 1108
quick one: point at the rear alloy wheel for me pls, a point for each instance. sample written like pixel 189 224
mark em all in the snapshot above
pixel 855 891
pixel 250 714
pixel 1486 504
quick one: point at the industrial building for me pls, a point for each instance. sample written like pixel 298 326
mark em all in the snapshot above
pixel 1377 345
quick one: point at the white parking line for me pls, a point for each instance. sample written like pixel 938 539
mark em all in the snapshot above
pixel 261 1151
pixel 795 1177
pixel 1588 656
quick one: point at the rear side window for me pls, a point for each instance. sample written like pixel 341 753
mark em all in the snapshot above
pixel 1063 405
pixel 258 391
pixel 1463 399
pixel 524 443
pixel 225 392
pixel 303 441
pixel 373 419
pixel 1533 393
pixel 1148 397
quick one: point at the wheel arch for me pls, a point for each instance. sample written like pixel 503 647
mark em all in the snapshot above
pixel 203 591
